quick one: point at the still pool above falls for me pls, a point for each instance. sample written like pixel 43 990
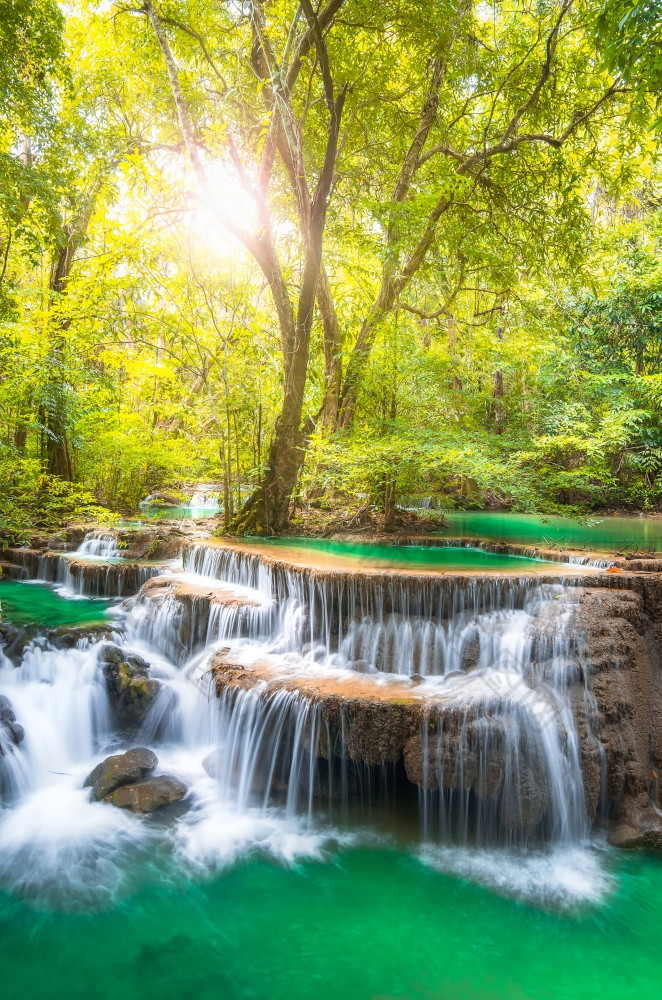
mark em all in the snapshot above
pixel 41 606
pixel 288 874
pixel 602 533
pixel 417 558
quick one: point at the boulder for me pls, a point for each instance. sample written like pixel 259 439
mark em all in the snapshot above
pixel 13 640
pixel 146 796
pixel 7 713
pixel 646 832
pixel 132 691
pixel 68 636
pixel 213 764
pixel 120 769
pixel 11 733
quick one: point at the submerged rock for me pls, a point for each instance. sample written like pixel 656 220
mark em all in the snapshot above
pixel 146 796
pixel 132 691
pixel 120 769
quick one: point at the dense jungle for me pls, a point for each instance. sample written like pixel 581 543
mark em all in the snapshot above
pixel 339 261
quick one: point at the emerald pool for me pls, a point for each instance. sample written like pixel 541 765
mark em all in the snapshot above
pixel 365 924
pixel 604 534
pixel 40 605
pixel 420 557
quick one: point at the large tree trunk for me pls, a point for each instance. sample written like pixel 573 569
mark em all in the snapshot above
pixel 267 511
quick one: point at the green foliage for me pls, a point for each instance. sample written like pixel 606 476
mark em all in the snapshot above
pixel 632 35
pixel 31 54
pixel 518 365
pixel 31 500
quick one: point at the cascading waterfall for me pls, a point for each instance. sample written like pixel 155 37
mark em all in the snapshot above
pixel 493 760
pixel 204 499
pixel 96 569
pixel 79 579
pixel 61 702
pixel 99 544
pixel 472 644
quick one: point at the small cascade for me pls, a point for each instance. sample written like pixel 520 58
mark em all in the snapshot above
pixel 96 569
pixel 204 499
pixel 92 577
pixel 60 700
pixel 99 545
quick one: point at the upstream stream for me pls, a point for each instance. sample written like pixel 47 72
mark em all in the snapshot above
pixel 284 873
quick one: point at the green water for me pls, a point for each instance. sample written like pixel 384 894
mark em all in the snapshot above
pixel 411 556
pixel 606 534
pixel 35 604
pixel 370 924
pixel 177 513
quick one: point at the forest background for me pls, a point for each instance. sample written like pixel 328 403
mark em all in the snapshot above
pixel 338 256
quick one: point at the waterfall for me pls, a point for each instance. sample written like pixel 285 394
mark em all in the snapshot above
pixel 60 700
pixel 447 703
pixel 95 569
pixel 99 544
pixel 494 657
pixel 204 499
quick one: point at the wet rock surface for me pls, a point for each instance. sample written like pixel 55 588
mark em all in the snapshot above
pixel 131 689
pixel 13 640
pixel 12 733
pixel 642 831
pixel 620 721
pixel 120 769
pixel 149 795
pixel 70 636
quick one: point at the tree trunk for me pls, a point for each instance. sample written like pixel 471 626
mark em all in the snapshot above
pixel 267 510
pixel 332 352
pixel 58 455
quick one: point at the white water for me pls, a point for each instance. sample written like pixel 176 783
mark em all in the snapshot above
pixel 488 649
pixel 95 569
pixel 100 545
pixel 268 791
pixel 204 499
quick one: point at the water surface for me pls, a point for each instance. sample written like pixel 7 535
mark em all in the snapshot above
pixel 36 604
pixel 604 534
pixel 367 923
pixel 421 557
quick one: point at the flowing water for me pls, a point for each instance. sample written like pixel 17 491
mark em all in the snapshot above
pixel 276 882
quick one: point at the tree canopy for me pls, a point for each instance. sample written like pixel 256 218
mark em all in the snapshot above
pixel 338 256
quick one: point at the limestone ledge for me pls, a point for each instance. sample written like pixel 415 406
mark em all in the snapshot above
pixel 177 587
